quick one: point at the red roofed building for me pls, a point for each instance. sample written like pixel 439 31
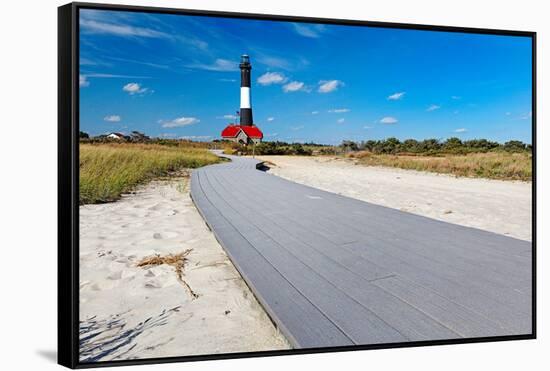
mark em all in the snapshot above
pixel 243 134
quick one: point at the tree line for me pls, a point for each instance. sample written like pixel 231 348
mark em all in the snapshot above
pixel 134 136
pixel 274 148
pixel 391 145
pixel 452 145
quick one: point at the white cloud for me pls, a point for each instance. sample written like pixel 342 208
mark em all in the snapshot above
pixel 368 127
pixel 140 62
pixel 112 76
pixel 456 97
pixel 269 78
pixel 339 110
pixel 294 86
pixel 179 122
pixel 97 27
pixel 309 30
pixel 340 121
pixel 227 117
pixel 327 86
pixel 270 118
pixel 227 80
pixel 134 88
pixel 314 112
pixel 219 65
pixel 433 107
pixel 389 120
pixel 87 62
pixel 274 62
pixel 112 118
pixel 527 116
pixel 295 128
pixel 508 113
pixel 83 81
pixel 192 41
pixel 272 134
pixel 461 130
pixel 396 96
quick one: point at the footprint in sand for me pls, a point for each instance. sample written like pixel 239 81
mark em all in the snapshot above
pixel 127 273
pixel 157 283
pixel 103 285
pixel 115 275
pixel 164 235
pixel 153 284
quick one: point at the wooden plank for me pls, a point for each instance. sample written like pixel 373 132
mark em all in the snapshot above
pixel 411 322
pixel 504 300
pixel 505 268
pixel 497 244
pixel 295 316
pixel 357 272
pixel 490 307
pixel 451 265
pixel 357 322
pixel 371 271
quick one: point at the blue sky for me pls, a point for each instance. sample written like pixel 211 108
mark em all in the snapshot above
pixel 177 77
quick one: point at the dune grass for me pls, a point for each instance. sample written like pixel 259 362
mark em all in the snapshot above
pixel 109 170
pixel 493 165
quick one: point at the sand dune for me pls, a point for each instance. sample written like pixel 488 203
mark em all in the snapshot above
pixel 131 312
pixel 502 207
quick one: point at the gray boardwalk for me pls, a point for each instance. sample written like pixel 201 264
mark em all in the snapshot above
pixel 333 271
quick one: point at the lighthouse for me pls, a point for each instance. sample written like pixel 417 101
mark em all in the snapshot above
pixel 245 132
pixel 246 108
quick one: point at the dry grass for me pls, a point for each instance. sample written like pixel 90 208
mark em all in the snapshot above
pixel 177 261
pixel 493 165
pixel 109 170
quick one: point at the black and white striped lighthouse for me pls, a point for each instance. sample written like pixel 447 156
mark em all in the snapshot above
pixel 246 108
pixel 245 132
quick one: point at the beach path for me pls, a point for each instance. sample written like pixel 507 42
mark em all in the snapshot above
pixel 334 271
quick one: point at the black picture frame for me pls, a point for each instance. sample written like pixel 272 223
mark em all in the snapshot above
pixel 68 170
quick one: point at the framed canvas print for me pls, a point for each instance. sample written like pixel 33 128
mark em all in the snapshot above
pixel 239 185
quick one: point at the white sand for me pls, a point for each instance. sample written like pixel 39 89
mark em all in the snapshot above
pixel 116 297
pixel 502 207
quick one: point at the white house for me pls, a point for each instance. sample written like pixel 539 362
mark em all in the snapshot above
pixel 116 136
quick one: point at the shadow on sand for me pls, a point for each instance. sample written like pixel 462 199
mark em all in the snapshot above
pixel 111 337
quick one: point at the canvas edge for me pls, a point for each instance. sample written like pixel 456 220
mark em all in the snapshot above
pixel 67 208
pixel 68 221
